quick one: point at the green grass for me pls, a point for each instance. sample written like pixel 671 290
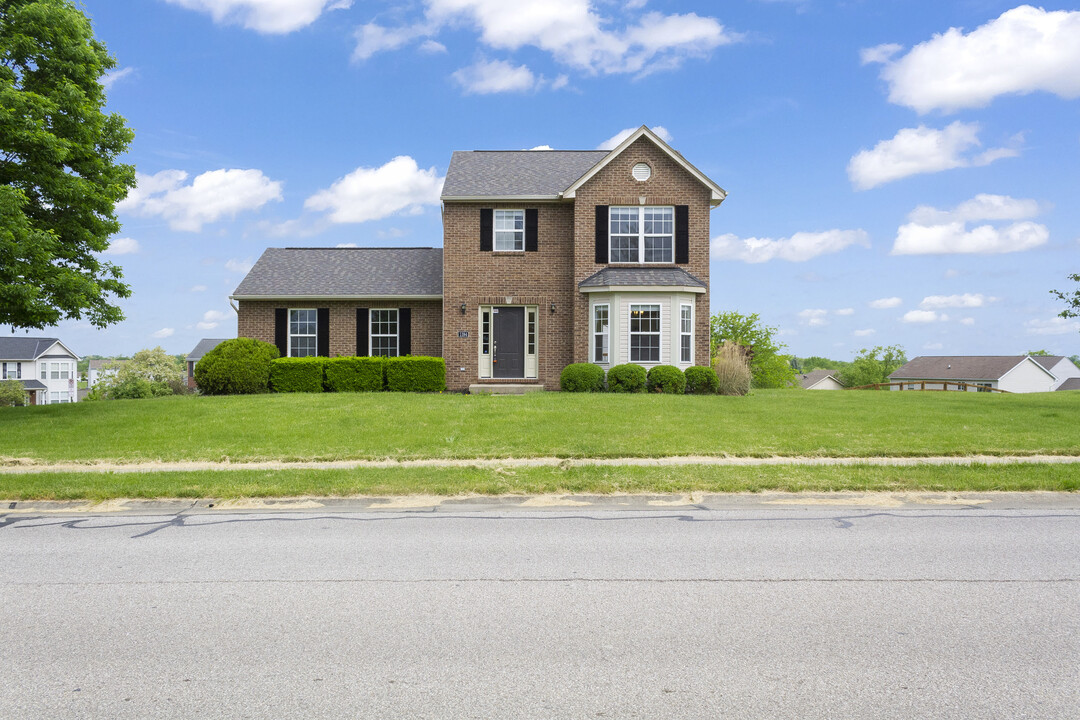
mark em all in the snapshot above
pixel 592 480
pixel 392 425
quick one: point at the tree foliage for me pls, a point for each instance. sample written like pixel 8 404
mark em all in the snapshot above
pixel 12 393
pixel 768 367
pixel 1071 300
pixel 59 175
pixel 149 373
pixel 873 365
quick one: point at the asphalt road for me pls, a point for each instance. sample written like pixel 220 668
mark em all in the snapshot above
pixel 740 610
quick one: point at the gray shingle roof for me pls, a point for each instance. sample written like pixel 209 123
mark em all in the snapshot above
pixel 659 277
pixel 33 384
pixel 205 345
pixel 24 348
pixel 1048 361
pixel 1070 384
pixel 516 173
pixel 344 272
pixel 957 367
pixel 815 376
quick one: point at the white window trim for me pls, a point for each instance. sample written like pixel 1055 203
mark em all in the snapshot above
pixel 495 231
pixel 372 334
pixel 641 236
pixel 683 334
pixel 630 333
pixel 290 332
pixel 594 334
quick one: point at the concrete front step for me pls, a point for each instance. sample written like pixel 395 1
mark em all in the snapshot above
pixel 504 389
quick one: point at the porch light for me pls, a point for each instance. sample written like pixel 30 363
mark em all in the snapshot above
pixel 462 308
pixel 552 307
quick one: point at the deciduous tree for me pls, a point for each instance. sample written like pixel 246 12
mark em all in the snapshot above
pixel 1071 300
pixel 769 368
pixel 873 365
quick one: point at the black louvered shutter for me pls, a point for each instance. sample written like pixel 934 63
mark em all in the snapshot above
pixel 322 340
pixel 682 234
pixel 486 232
pixel 602 234
pixel 531 221
pixel 281 330
pixel 362 332
pixel 404 331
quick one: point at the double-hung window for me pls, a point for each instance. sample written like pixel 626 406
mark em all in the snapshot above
pixel 303 329
pixel 601 334
pixel 509 230
pixel 384 332
pixel 641 234
pixel 645 333
pixel 686 333
pixel 12 371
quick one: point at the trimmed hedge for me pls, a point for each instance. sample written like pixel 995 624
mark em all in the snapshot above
pixel 236 367
pixel 297 374
pixel 582 377
pixel 628 378
pixel 666 379
pixel 355 374
pixel 415 374
pixel 701 381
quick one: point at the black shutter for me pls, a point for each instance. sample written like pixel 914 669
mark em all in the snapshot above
pixel 682 234
pixel 281 330
pixel 531 219
pixel 602 234
pixel 486 232
pixel 322 340
pixel 361 332
pixel 404 331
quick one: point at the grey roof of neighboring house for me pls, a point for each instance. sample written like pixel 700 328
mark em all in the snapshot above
pixel 344 272
pixel 813 377
pixel 957 367
pixel 659 277
pixel 1048 361
pixel 96 363
pixel 24 348
pixel 1070 384
pixel 205 345
pixel 516 173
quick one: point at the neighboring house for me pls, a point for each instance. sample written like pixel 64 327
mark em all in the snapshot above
pixel 549 257
pixel 1062 367
pixel 820 380
pixel 1013 373
pixel 1070 384
pixel 205 345
pixel 45 366
pixel 96 371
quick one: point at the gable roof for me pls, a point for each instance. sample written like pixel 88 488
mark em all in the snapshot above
pixel 532 174
pixel 812 378
pixel 1070 384
pixel 960 367
pixel 205 345
pixel 641 277
pixel 1048 361
pixel 298 273
pixel 27 348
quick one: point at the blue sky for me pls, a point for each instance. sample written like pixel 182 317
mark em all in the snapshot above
pixel 898 172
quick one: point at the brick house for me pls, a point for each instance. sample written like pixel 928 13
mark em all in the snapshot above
pixel 548 258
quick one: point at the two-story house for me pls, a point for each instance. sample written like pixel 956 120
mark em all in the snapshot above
pixel 549 257
pixel 47 369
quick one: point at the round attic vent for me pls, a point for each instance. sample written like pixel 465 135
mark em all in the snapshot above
pixel 642 172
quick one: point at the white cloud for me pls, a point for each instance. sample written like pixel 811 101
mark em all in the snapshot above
pixel 880 53
pixel 915 239
pixel 113 76
pixel 886 303
pixel 814 317
pixel 967 300
pixel 265 16
pixel 980 207
pixel 799 247
pixel 211 319
pixel 914 151
pixel 211 196
pixel 122 246
pixel 612 142
pixel 542 147
pixel 162 333
pixel 346 245
pixel 1025 50
pixel 431 46
pixel 198 288
pixel 373 38
pixel 373 193
pixel 967 321
pixel 1053 326
pixel 496 76
pixel 923 316
pixel 845 311
pixel 864 333
pixel 238 266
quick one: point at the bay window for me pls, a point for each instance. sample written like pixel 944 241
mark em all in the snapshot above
pixel 645 333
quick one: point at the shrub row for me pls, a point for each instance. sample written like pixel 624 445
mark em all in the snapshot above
pixel 632 378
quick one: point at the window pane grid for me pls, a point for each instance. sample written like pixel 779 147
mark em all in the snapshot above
pixel 384 333
pixel 686 336
pixel 531 349
pixel 601 334
pixel 509 230
pixel 644 333
pixel 641 234
pixel 303 327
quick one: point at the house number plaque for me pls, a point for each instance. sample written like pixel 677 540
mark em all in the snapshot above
pixel 463 333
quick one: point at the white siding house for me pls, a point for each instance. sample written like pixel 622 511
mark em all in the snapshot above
pixel 45 366
pixel 1062 367
pixel 1012 373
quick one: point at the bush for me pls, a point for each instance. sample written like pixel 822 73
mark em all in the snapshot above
pixel 297 374
pixel 236 367
pixel 701 381
pixel 13 394
pixel 732 370
pixel 628 378
pixel 415 374
pixel 130 388
pixel 356 374
pixel 582 377
pixel 666 379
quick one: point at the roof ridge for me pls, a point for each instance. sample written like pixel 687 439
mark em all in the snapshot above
pixel 409 247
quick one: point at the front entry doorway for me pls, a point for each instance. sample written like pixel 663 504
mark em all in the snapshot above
pixel 508 326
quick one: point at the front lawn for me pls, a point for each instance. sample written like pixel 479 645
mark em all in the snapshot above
pixel 402 426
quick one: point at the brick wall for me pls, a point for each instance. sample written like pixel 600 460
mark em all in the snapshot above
pixel 256 320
